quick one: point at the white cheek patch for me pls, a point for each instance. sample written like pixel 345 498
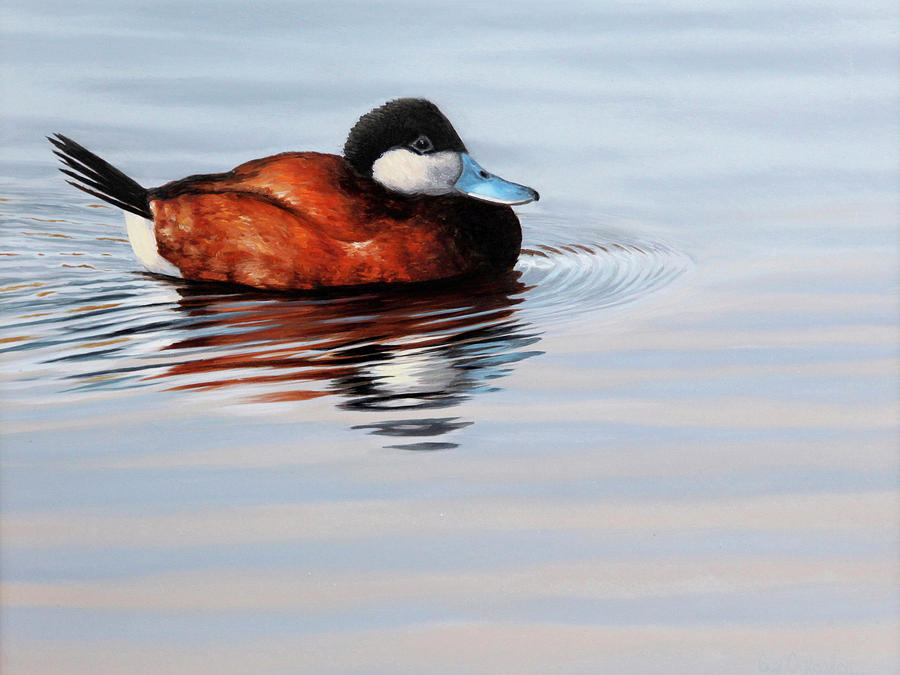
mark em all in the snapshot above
pixel 405 171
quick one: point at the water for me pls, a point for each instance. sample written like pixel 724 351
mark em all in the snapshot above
pixel 666 442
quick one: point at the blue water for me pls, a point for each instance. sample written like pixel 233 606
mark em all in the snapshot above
pixel 667 442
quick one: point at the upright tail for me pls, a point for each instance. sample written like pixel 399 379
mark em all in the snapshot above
pixel 99 178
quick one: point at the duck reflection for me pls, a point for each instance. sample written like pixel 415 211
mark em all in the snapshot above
pixel 405 349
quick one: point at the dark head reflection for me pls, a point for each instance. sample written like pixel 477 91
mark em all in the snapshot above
pixel 390 350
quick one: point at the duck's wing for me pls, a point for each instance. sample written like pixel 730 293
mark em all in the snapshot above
pixel 243 238
pixel 311 185
pixel 251 239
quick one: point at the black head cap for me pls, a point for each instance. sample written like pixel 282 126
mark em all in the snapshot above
pixel 398 123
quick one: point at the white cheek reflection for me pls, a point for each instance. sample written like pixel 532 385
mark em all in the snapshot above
pixel 405 171
pixel 414 374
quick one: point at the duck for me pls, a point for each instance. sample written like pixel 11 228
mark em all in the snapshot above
pixel 404 203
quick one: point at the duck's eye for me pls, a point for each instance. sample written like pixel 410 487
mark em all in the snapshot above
pixel 422 144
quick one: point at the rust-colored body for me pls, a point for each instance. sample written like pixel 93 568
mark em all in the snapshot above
pixel 305 220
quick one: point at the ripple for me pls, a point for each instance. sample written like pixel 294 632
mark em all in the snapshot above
pixel 570 276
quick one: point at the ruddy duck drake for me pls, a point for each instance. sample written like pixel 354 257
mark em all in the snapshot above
pixel 405 203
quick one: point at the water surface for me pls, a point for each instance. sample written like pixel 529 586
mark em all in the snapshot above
pixel 665 442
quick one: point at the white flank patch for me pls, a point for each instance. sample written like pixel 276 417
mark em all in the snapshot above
pixel 142 235
pixel 403 170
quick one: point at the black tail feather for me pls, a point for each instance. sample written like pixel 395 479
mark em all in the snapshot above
pixel 99 178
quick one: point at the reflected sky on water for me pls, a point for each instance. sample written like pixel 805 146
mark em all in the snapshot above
pixel 666 442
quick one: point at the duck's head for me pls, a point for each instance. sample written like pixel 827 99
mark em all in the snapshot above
pixel 408 146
